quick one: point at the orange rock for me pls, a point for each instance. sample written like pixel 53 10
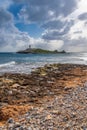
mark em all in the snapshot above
pixel 13 111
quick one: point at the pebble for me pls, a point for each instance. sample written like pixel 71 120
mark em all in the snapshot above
pixel 62 109
pixel 10 120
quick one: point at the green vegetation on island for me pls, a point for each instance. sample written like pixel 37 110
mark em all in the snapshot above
pixel 39 51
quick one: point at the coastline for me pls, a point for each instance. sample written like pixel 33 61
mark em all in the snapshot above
pixel 47 95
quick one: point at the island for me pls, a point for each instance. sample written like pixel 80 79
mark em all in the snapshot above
pixel 39 51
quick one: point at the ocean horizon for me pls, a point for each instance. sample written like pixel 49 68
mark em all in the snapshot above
pixel 11 62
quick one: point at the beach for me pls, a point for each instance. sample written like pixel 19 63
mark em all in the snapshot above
pixel 43 65
pixel 53 97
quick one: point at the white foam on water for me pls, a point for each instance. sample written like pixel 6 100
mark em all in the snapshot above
pixel 83 57
pixel 7 64
pixel 28 64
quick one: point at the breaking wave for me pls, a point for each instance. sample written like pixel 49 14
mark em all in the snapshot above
pixel 83 57
pixel 8 64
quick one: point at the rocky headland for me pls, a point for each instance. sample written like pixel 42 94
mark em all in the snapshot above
pixel 39 51
pixel 53 97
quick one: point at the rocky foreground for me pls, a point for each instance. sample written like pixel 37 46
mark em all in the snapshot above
pixel 53 97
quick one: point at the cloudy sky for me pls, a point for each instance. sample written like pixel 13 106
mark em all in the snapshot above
pixel 47 24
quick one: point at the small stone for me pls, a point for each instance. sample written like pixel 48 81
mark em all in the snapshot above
pixel 65 119
pixel 21 128
pixel 84 128
pixel 29 128
pixel 15 85
pixel 10 120
pixel 17 125
pixel 10 92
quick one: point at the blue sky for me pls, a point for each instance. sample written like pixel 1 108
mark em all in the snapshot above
pixel 58 24
pixel 33 29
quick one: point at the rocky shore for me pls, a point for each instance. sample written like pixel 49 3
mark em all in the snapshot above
pixel 53 97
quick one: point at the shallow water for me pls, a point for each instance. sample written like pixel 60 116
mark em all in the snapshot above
pixel 25 63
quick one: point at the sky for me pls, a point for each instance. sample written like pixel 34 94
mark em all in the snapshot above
pixel 46 24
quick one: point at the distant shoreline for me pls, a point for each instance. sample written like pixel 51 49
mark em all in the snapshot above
pixel 39 51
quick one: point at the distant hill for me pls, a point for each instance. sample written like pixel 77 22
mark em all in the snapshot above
pixel 39 51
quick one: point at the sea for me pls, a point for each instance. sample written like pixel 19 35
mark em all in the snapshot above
pixel 25 63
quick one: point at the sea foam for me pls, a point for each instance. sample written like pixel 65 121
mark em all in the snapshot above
pixel 8 64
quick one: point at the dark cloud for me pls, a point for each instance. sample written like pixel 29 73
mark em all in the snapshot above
pixel 54 35
pixel 5 17
pixel 58 34
pixel 55 24
pixel 46 14
pixel 53 16
pixel 11 38
pixel 5 4
pixel 18 1
pixel 39 11
pixel 83 16
pixel 69 6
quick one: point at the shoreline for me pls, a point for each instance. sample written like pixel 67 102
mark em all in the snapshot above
pixel 35 92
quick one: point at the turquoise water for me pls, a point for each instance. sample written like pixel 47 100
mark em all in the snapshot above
pixel 25 63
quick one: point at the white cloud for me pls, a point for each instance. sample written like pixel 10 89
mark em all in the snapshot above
pixel 64 22
pixel 76 45
pixel 49 44
pixel 41 11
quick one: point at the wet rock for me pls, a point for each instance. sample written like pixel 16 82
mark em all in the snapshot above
pixel 84 128
pixel 10 120
pixel 51 98
pixel 17 125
